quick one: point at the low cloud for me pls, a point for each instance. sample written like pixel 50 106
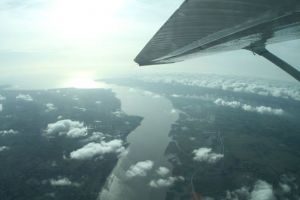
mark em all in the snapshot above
pixel 118 113
pixel 140 169
pixel 97 149
pixel 232 104
pixel 1 107
pixel 228 83
pixel 249 108
pixel 285 187
pixel 68 128
pixel 80 109
pixel 173 111
pixel 161 183
pixel 206 155
pixel 24 97
pixel 95 137
pixel 3 148
pixel 2 98
pixel 75 98
pixel 163 171
pixel 8 132
pixel 50 107
pixel 148 93
pixel 176 95
pixel 61 182
pixel 263 109
pixel 262 191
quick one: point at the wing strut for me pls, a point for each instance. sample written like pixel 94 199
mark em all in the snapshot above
pixel 262 51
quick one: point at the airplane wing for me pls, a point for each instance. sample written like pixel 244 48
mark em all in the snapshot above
pixel 202 27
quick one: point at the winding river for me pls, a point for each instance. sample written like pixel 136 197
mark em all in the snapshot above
pixel 147 142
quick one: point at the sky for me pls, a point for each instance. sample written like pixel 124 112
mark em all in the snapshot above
pixel 48 40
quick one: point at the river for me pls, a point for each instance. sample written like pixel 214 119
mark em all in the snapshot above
pixel 147 142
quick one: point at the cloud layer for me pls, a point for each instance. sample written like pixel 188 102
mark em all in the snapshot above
pixel 68 128
pixel 24 97
pixel 249 108
pixel 98 149
pixel 140 169
pixel 8 132
pixel 206 155
pixel 229 83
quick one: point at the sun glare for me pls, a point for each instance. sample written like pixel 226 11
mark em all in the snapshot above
pixel 83 18
pixel 83 80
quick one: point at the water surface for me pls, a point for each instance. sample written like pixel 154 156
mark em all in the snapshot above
pixel 148 142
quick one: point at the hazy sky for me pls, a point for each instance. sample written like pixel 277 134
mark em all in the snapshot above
pixel 50 39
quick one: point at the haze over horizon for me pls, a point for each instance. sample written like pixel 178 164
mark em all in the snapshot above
pixel 50 39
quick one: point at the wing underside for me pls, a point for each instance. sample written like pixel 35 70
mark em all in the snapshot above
pixel 209 26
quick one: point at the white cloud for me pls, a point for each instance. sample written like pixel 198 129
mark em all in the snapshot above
pixel 98 102
pixel 140 169
pixel 232 104
pixel 118 113
pixel 68 128
pixel 206 155
pixel 269 110
pixel 148 93
pixel 3 148
pixel 75 98
pixel 174 111
pixel 228 83
pixel 50 107
pixel 79 108
pixel 242 193
pixel 24 97
pixel 249 108
pixel 163 171
pixel 95 137
pixel 1 107
pixel 262 191
pixel 176 95
pixel 161 183
pixel 263 109
pixel 285 187
pixel 97 149
pixel 62 181
pixel 8 132
pixel 2 98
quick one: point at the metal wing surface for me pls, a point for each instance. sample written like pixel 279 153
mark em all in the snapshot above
pixel 209 26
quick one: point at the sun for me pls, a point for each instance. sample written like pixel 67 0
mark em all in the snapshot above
pixel 76 19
